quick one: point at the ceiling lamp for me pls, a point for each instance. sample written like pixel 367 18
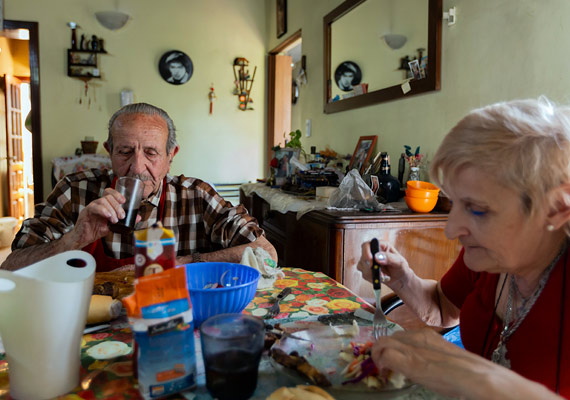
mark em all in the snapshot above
pixel 395 41
pixel 112 20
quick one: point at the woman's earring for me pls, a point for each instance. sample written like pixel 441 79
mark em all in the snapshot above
pixel 549 227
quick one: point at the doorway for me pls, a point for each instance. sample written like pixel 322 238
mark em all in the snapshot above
pixel 280 87
pixel 21 160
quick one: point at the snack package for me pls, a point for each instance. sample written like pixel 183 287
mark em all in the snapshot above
pixel 155 250
pixel 160 314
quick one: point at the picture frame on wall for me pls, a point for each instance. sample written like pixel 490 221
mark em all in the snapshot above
pixel 281 12
pixel 362 153
pixel 175 67
pixel 415 69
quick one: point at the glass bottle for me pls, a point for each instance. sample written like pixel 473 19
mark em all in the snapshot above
pixel 389 187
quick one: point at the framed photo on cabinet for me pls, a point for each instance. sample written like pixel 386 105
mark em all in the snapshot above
pixel 362 153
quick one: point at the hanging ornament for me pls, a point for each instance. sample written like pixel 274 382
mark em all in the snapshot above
pixel 212 97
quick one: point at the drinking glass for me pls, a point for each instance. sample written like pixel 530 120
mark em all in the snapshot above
pixel 132 189
pixel 231 347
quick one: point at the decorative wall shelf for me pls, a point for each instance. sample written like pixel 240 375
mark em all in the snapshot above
pixel 83 64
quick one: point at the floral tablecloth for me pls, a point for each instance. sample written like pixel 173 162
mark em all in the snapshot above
pixel 313 295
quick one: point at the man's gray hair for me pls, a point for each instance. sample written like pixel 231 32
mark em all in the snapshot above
pixel 146 109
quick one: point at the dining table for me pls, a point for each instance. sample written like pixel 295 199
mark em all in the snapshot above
pixel 314 298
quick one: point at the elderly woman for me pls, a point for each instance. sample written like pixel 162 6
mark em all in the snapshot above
pixel 506 170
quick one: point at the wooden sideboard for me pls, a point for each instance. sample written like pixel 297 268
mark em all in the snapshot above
pixel 330 241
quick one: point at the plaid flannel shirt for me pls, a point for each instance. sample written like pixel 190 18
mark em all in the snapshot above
pixel 201 219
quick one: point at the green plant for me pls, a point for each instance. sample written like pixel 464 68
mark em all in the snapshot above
pixel 293 143
pixel 414 159
pixel 409 153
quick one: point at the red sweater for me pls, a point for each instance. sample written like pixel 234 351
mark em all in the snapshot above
pixel 534 347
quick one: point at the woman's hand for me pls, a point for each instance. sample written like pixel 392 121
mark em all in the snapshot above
pixel 424 357
pixel 392 262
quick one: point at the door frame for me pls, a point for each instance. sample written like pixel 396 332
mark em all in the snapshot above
pixel 271 90
pixel 34 54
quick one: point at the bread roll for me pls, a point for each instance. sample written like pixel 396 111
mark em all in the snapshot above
pixel 300 392
pixel 103 309
pixel 120 279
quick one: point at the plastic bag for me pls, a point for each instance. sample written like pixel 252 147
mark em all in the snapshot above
pixel 353 192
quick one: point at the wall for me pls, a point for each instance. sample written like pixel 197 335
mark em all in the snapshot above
pixel 212 33
pixel 484 59
pixel 497 50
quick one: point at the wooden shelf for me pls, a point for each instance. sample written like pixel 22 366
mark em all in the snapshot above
pixel 83 64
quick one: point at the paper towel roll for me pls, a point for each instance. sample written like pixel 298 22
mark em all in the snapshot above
pixel 43 308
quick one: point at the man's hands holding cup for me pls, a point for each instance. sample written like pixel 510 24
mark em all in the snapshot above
pixel 94 220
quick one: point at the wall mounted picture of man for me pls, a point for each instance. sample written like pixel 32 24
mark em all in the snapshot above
pixel 346 75
pixel 175 67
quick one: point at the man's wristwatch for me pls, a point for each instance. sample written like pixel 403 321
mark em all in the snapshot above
pixel 196 257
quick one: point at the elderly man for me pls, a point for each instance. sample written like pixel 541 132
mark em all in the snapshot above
pixel 77 214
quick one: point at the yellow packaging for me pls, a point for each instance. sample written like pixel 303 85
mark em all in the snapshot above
pixel 155 250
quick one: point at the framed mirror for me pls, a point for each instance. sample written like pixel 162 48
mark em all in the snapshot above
pixel 396 45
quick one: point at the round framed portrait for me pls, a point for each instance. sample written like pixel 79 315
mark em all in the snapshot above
pixel 175 67
pixel 346 75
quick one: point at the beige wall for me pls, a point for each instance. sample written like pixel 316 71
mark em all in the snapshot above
pixel 226 146
pixel 497 50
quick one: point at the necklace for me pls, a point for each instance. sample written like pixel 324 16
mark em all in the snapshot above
pixel 512 321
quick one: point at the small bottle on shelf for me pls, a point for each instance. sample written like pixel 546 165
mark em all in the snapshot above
pixel 73 37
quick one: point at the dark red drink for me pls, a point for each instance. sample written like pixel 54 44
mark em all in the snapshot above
pixel 232 375
pixel 127 224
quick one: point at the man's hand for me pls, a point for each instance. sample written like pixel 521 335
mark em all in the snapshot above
pixel 93 221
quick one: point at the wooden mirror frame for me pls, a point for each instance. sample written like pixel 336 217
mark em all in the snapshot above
pixel 430 83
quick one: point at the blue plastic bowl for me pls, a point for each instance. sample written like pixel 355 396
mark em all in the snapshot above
pixel 232 299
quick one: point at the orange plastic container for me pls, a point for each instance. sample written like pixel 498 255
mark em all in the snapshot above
pixel 421 205
pixel 421 189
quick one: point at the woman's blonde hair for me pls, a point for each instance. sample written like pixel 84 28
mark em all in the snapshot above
pixel 523 144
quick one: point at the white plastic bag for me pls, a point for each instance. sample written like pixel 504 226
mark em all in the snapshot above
pixel 353 192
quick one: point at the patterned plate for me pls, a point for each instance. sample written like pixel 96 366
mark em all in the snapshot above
pixel 321 348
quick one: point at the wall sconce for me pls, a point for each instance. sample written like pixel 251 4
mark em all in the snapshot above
pixel 112 20
pixel 394 41
pixel 243 82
